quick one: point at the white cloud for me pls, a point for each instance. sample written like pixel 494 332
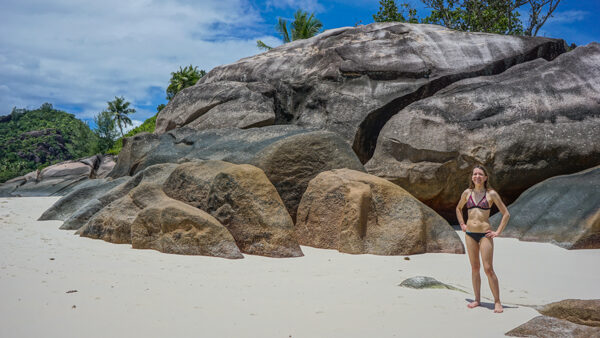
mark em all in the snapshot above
pixel 84 53
pixel 305 5
pixel 134 124
pixel 568 16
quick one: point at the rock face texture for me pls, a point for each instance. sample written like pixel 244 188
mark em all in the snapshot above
pixel 534 121
pixel 76 199
pixel 566 318
pixel 175 227
pixel 289 155
pixel 564 210
pixel 197 208
pixel 58 179
pixel 349 80
pixel 243 200
pixel 424 282
pixel 545 327
pixel 578 311
pixel 113 222
pixel 356 213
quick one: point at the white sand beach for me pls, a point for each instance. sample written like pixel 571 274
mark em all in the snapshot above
pixel 123 292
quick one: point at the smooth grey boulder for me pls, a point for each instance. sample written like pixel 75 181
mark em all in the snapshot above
pixel 58 179
pixel 424 282
pixel 68 204
pixel 348 80
pixel 289 155
pixel 133 152
pixel 534 121
pixel 563 210
pixel 93 204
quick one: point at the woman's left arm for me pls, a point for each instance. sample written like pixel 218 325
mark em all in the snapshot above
pixel 505 214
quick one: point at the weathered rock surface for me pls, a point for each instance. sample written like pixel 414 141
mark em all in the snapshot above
pixel 424 282
pixel 578 311
pixel 245 105
pixel 84 192
pixel 289 155
pixel 113 221
pixel 550 327
pixel 171 226
pixel 349 80
pixel 534 121
pixel 355 212
pixel 564 210
pixel 242 199
pixel 59 179
pixel 133 152
pixel 292 162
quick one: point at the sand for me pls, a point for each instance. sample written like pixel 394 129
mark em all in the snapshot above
pixel 56 284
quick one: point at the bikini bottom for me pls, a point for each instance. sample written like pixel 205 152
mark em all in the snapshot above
pixel 477 236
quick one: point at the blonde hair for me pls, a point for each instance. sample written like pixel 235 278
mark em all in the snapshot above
pixel 486 184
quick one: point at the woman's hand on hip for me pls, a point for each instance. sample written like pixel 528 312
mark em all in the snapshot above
pixel 491 234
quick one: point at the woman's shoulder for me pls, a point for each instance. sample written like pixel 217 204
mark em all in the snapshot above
pixel 493 192
pixel 467 191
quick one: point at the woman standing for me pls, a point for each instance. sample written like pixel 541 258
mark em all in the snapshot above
pixel 479 198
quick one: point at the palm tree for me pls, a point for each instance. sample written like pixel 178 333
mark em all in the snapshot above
pixel 303 27
pixel 119 109
pixel 183 78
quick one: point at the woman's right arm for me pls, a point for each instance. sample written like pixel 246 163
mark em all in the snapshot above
pixel 459 207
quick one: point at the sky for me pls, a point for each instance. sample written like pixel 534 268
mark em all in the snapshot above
pixel 79 54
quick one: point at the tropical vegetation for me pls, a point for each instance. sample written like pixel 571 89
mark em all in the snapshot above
pixel 492 16
pixel 304 26
pixel 34 139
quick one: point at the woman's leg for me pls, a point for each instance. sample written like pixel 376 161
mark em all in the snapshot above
pixel 487 256
pixel 473 251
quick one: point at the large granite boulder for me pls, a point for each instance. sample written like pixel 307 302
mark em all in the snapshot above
pixel 175 227
pixel 357 213
pixel 133 152
pixel 58 179
pixel 349 80
pixel 242 199
pixel 76 199
pixel 550 327
pixel 289 155
pixel 579 311
pixel 534 121
pixel 113 221
pixel 564 210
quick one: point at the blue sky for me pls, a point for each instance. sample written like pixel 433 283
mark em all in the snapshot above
pixel 79 54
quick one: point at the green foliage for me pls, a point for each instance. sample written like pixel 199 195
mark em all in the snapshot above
pixel 491 16
pixel 148 126
pixel 105 131
pixel 388 12
pixel 183 78
pixel 33 139
pixel 119 108
pixel 304 26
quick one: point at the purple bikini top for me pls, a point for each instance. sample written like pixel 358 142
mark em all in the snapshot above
pixel 483 203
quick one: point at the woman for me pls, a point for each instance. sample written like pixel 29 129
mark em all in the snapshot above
pixel 479 198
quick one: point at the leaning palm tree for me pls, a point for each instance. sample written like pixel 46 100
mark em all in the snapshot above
pixel 303 27
pixel 119 109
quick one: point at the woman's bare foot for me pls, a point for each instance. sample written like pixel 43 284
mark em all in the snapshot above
pixel 473 304
pixel 498 308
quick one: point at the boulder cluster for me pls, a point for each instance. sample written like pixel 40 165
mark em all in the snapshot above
pixel 360 139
